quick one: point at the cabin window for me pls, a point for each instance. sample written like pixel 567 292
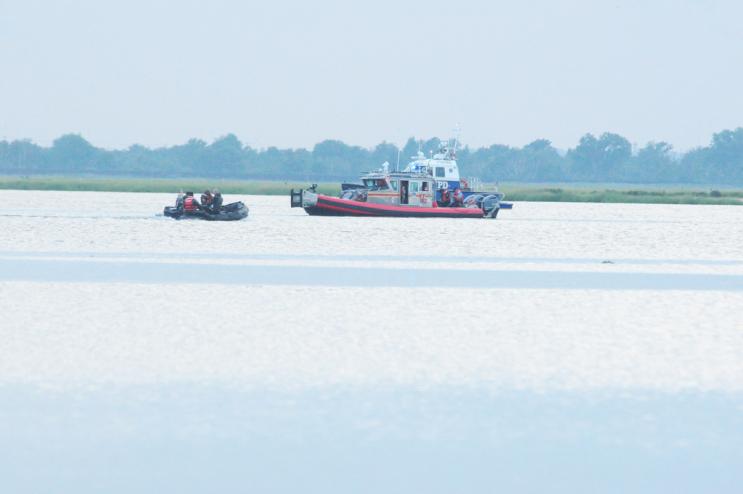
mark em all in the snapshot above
pixel 424 186
pixel 375 183
pixel 440 171
pixel 414 187
pixel 394 184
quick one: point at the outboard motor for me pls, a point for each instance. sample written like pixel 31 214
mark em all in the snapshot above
pixel 296 198
pixel 491 206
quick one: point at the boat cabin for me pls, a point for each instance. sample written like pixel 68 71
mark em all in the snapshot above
pixel 442 165
pixel 400 189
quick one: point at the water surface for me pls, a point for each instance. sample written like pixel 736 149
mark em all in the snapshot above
pixel 562 347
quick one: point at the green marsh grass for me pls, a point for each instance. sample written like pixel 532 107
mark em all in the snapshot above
pixel 174 185
pixel 646 194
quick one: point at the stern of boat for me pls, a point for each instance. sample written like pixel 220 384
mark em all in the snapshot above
pixel 303 198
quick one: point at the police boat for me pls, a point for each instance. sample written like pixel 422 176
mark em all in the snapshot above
pixel 426 188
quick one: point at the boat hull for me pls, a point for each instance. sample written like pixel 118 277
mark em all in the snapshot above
pixel 332 206
pixel 229 212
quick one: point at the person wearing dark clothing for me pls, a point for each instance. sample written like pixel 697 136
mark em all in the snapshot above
pixel 403 194
pixel 206 199
pixel 216 203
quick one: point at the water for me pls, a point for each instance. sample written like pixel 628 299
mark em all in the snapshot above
pixel 562 347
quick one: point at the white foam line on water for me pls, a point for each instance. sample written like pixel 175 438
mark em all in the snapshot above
pixel 479 263
pixel 42 270
pixel 347 257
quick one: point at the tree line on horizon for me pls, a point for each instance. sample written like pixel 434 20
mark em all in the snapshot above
pixel 605 158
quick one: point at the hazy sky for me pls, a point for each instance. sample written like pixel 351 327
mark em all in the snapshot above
pixel 291 74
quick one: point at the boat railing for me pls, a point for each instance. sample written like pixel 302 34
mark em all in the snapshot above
pixel 473 183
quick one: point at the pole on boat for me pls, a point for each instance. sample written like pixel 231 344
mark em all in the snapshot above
pixel 457 135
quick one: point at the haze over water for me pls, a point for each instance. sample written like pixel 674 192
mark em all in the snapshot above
pixel 291 74
pixel 561 347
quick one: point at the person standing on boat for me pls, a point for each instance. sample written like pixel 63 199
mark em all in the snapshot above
pixel 403 194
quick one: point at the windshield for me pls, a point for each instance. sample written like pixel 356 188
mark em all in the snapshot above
pixel 376 183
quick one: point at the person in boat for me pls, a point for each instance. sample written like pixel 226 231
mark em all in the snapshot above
pixel 206 199
pixel 445 197
pixel 457 198
pixel 216 202
pixel 179 201
pixel 190 204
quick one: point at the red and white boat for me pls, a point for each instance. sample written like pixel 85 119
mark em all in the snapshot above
pixel 322 205
pixel 427 188
pixel 394 194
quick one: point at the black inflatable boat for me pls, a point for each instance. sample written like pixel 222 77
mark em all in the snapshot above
pixel 229 212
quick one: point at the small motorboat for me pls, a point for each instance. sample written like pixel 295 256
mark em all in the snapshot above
pixel 228 212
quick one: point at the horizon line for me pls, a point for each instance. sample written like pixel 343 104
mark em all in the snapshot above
pixel 635 145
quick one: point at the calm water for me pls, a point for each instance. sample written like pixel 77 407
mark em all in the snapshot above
pixel 562 347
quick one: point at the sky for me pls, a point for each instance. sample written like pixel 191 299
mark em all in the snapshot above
pixel 290 74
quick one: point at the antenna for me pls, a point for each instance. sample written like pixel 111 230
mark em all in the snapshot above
pixel 397 166
pixel 457 135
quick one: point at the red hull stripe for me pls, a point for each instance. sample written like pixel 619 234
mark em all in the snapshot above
pixel 345 210
pixel 331 205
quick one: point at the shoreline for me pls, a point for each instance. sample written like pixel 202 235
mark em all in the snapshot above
pixel 598 193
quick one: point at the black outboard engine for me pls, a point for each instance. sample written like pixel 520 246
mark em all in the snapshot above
pixel 491 205
pixel 296 198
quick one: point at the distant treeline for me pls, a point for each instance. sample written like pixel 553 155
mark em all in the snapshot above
pixel 606 158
